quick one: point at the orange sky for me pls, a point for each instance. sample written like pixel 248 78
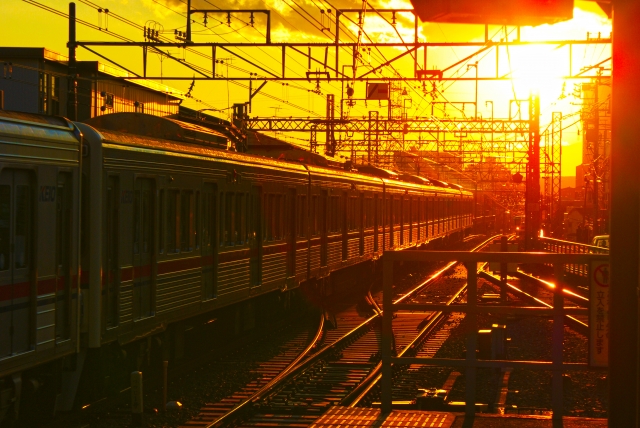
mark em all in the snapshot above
pixel 535 68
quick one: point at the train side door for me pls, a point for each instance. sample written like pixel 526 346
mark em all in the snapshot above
pixel 344 219
pixel 323 227
pixel 64 219
pixel 255 236
pixel 143 253
pixel 209 241
pixel 111 269
pixel 16 233
pixel 291 228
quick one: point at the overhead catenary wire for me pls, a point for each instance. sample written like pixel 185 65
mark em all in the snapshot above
pixel 192 66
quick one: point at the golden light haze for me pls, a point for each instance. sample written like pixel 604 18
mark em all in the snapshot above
pixel 537 68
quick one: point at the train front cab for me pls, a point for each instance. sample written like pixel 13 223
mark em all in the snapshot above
pixel 39 215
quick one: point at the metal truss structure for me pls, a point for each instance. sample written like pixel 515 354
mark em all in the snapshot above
pixel 485 152
pixel 552 173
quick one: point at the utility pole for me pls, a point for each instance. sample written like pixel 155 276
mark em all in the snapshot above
pixel 532 199
pixel 188 37
pixel 72 84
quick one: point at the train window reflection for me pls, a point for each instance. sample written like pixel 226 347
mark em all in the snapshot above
pixel 221 235
pixel 136 223
pixel 186 221
pixel 229 219
pixel 240 224
pixel 172 221
pixel 197 222
pixel 5 199
pixel 314 215
pixel 301 222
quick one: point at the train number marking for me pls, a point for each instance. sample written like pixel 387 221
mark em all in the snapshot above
pixel 47 193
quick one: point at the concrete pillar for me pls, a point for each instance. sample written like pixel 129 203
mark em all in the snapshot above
pixel 625 216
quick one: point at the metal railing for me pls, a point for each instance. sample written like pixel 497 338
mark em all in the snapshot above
pixel 558 246
pixel 558 311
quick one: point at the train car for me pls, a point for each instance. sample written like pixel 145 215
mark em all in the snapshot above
pixel 176 227
pixel 40 160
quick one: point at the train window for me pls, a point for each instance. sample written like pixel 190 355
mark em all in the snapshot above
pixel 146 214
pixel 16 232
pixel 359 212
pixel 375 213
pixel 406 210
pixel 208 210
pixel 315 215
pixel 415 211
pixel 267 231
pixel 186 221
pixel 301 222
pixel 240 221
pixel 5 246
pixel 136 223
pixel 221 234
pixel 351 213
pixel 23 226
pixel 368 213
pixel 208 240
pixel 197 221
pixel 229 217
pixel 334 206
pixel 248 216
pixel 163 222
pixel 62 256
pixel 144 220
pixel 278 217
pixel 172 220
pixel 84 218
pixel 111 250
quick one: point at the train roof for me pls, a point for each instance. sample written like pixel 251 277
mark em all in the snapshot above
pixel 439 183
pixel 159 127
pixel 415 179
pixel 188 149
pixel 38 126
pixel 37 118
pixel 188 139
pixel 377 172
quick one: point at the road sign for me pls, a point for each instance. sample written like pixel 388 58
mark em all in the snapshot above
pixel 599 314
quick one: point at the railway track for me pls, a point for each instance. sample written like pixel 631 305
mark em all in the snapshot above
pixel 307 389
pixel 409 378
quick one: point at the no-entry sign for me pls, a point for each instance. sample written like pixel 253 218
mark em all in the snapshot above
pixel 599 314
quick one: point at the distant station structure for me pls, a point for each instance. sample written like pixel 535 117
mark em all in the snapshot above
pixel 35 80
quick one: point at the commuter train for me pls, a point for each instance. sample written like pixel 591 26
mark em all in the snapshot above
pixel 112 231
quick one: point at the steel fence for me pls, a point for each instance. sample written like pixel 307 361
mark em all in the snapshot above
pixel 471 260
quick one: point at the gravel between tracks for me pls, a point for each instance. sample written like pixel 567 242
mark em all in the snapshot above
pixel 218 379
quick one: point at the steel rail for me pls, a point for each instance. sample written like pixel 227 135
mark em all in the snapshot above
pixel 575 323
pixel 570 294
pixel 292 370
pixel 233 412
pixel 359 392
